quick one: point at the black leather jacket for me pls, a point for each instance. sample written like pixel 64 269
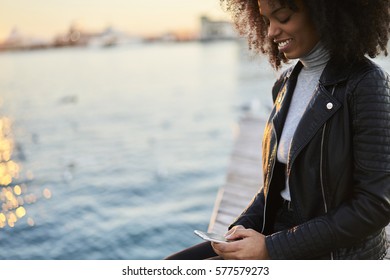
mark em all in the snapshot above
pixel 338 167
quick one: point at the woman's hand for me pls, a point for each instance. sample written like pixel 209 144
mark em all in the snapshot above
pixel 248 245
pixel 233 229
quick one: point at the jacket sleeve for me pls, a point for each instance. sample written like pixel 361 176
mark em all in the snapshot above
pixel 368 208
pixel 252 216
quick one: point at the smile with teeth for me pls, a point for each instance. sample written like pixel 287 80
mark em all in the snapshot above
pixel 284 43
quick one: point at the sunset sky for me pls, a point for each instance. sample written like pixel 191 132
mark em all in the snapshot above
pixel 46 18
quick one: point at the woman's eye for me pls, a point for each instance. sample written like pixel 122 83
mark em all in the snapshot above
pixel 284 20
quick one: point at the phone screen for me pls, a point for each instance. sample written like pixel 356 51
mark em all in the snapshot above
pixel 209 236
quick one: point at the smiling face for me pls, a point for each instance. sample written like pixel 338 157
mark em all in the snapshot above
pixel 292 30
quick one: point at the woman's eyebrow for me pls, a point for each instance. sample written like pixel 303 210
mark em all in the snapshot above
pixel 277 10
pixel 274 11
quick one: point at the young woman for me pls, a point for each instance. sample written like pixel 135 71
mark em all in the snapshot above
pixel 326 146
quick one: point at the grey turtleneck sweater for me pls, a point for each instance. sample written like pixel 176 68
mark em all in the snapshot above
pixel 313 65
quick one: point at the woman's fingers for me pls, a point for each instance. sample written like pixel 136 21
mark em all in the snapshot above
pixel 233 229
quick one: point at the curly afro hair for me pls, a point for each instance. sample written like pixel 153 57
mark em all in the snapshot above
pixel 348 28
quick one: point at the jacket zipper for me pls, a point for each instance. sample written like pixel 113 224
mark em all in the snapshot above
pixel 321 168
pixel 321 171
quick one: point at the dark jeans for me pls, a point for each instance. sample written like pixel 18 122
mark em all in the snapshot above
pixel 284 218
pixel 200 251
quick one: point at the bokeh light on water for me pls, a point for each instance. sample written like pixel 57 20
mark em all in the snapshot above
pixel 14 193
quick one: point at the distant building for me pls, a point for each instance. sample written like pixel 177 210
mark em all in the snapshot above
pixel 75 36
pixel 216 30
pixel 109 37
pixel 18 41
pixel 112 37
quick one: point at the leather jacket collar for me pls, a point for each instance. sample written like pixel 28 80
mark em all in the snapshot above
pixel 321 107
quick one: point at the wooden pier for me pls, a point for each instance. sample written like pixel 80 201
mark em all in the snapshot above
pixel 243 176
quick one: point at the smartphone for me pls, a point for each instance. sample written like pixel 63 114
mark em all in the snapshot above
pixel 209 236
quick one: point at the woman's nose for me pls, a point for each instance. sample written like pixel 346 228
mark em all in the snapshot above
pixel 273 30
